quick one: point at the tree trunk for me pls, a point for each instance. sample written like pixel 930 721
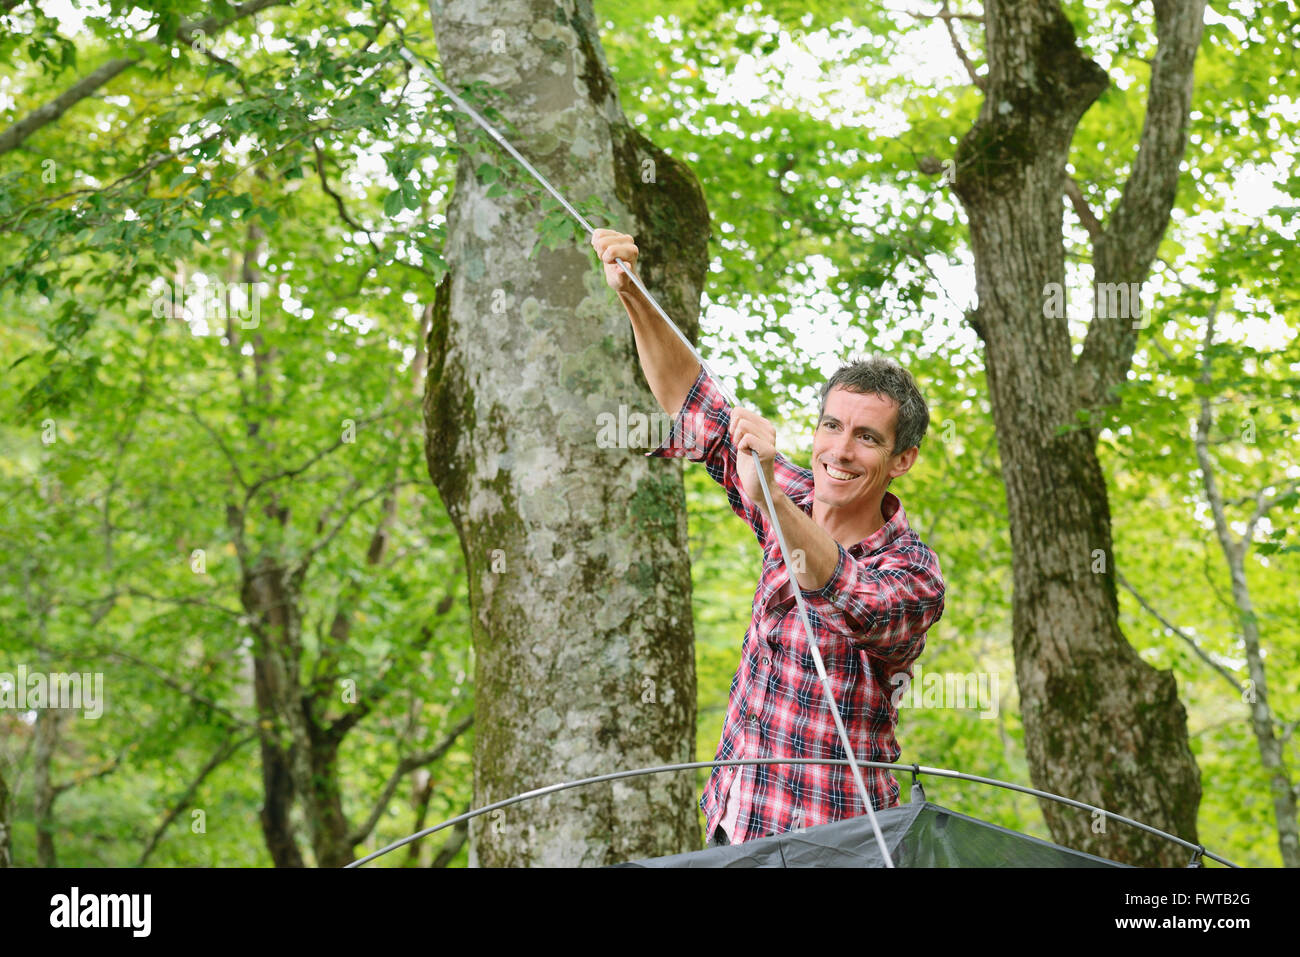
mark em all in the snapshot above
pixel 6 846
pixel 310 760
pixel 579 575
pixel 269 681
pixel 44 792
pixel 1101 725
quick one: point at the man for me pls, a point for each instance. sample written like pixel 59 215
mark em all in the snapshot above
pixel 871 586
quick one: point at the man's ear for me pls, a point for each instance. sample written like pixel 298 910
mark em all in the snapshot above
pixel 903 461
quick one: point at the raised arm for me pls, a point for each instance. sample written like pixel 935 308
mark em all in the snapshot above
pixel 669 367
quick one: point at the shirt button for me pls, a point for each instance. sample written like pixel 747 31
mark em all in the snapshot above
pixel 752 718
pixel 766 661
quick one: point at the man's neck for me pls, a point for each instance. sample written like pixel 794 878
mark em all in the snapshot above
pixel 849 529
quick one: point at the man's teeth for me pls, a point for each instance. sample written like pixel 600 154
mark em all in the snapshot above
pixel 837 474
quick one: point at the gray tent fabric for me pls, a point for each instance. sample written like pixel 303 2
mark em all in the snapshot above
pixel 917 835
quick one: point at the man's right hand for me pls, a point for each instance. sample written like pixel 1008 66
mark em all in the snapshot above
pixel 611 245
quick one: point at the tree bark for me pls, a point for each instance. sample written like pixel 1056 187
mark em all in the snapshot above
pixel 51 111
pixel 44 792
pixel 6 845
pixel 269 683
pixel 579 575
pixel 1101 725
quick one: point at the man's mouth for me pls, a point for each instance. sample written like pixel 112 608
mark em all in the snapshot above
pixel 838 474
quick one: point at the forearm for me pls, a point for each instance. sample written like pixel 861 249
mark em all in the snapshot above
pixel 806 540
pixel 670 368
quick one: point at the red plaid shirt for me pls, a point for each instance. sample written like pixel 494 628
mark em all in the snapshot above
pixel 870 621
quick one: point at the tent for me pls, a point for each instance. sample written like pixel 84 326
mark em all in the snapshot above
pixel 922 834
pixel 919 834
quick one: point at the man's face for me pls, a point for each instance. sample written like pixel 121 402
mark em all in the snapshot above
pixel 851 457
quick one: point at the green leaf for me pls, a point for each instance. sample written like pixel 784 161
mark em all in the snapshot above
pixel 393 203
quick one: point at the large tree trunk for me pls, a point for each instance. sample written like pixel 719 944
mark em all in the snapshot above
pixel 1101 725
pixel 577 557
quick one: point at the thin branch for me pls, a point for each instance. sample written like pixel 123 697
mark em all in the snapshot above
pixel 343 521
pixel 125 179
pixel 49 112
pixel 1263 504
pixel 1204 423
pixel 225 450
pixel 451 847
pixel 946 14
pixel 223 754
pixel 299 469
pixel 405 767
pixel 957 47
pixel 85 776
pixel 1200 652
pixel 186 600
pixel 338 200
pixel 1286 730
pixel 1083 210
pixel 378 688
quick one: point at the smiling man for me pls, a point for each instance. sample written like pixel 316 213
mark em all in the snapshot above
pixel 872 587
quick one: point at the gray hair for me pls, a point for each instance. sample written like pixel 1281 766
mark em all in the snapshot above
pixel 880 375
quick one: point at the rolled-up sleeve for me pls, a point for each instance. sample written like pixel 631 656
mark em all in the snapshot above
pixel 884 608
pixel 701 432
pixel 701 425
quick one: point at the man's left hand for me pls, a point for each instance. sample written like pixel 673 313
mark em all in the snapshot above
pixel 750 432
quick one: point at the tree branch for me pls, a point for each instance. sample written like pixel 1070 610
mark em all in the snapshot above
pixel 405 767
pixel 225 450
pixel 312 460
pixel 1125 251
pixel 947 17
pixel 375 692
pixel 338 200
pixel 946 14
pixel 1083 210
pixel 346 517
pixel 1205 422
pixel 1223 672
pixel 49 112
pixel 223 754
pixel 186 600
pixel 1263 504
pixel 85 776
pixel 451 847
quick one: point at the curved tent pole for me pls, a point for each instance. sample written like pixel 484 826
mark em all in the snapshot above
pixel 1198 850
